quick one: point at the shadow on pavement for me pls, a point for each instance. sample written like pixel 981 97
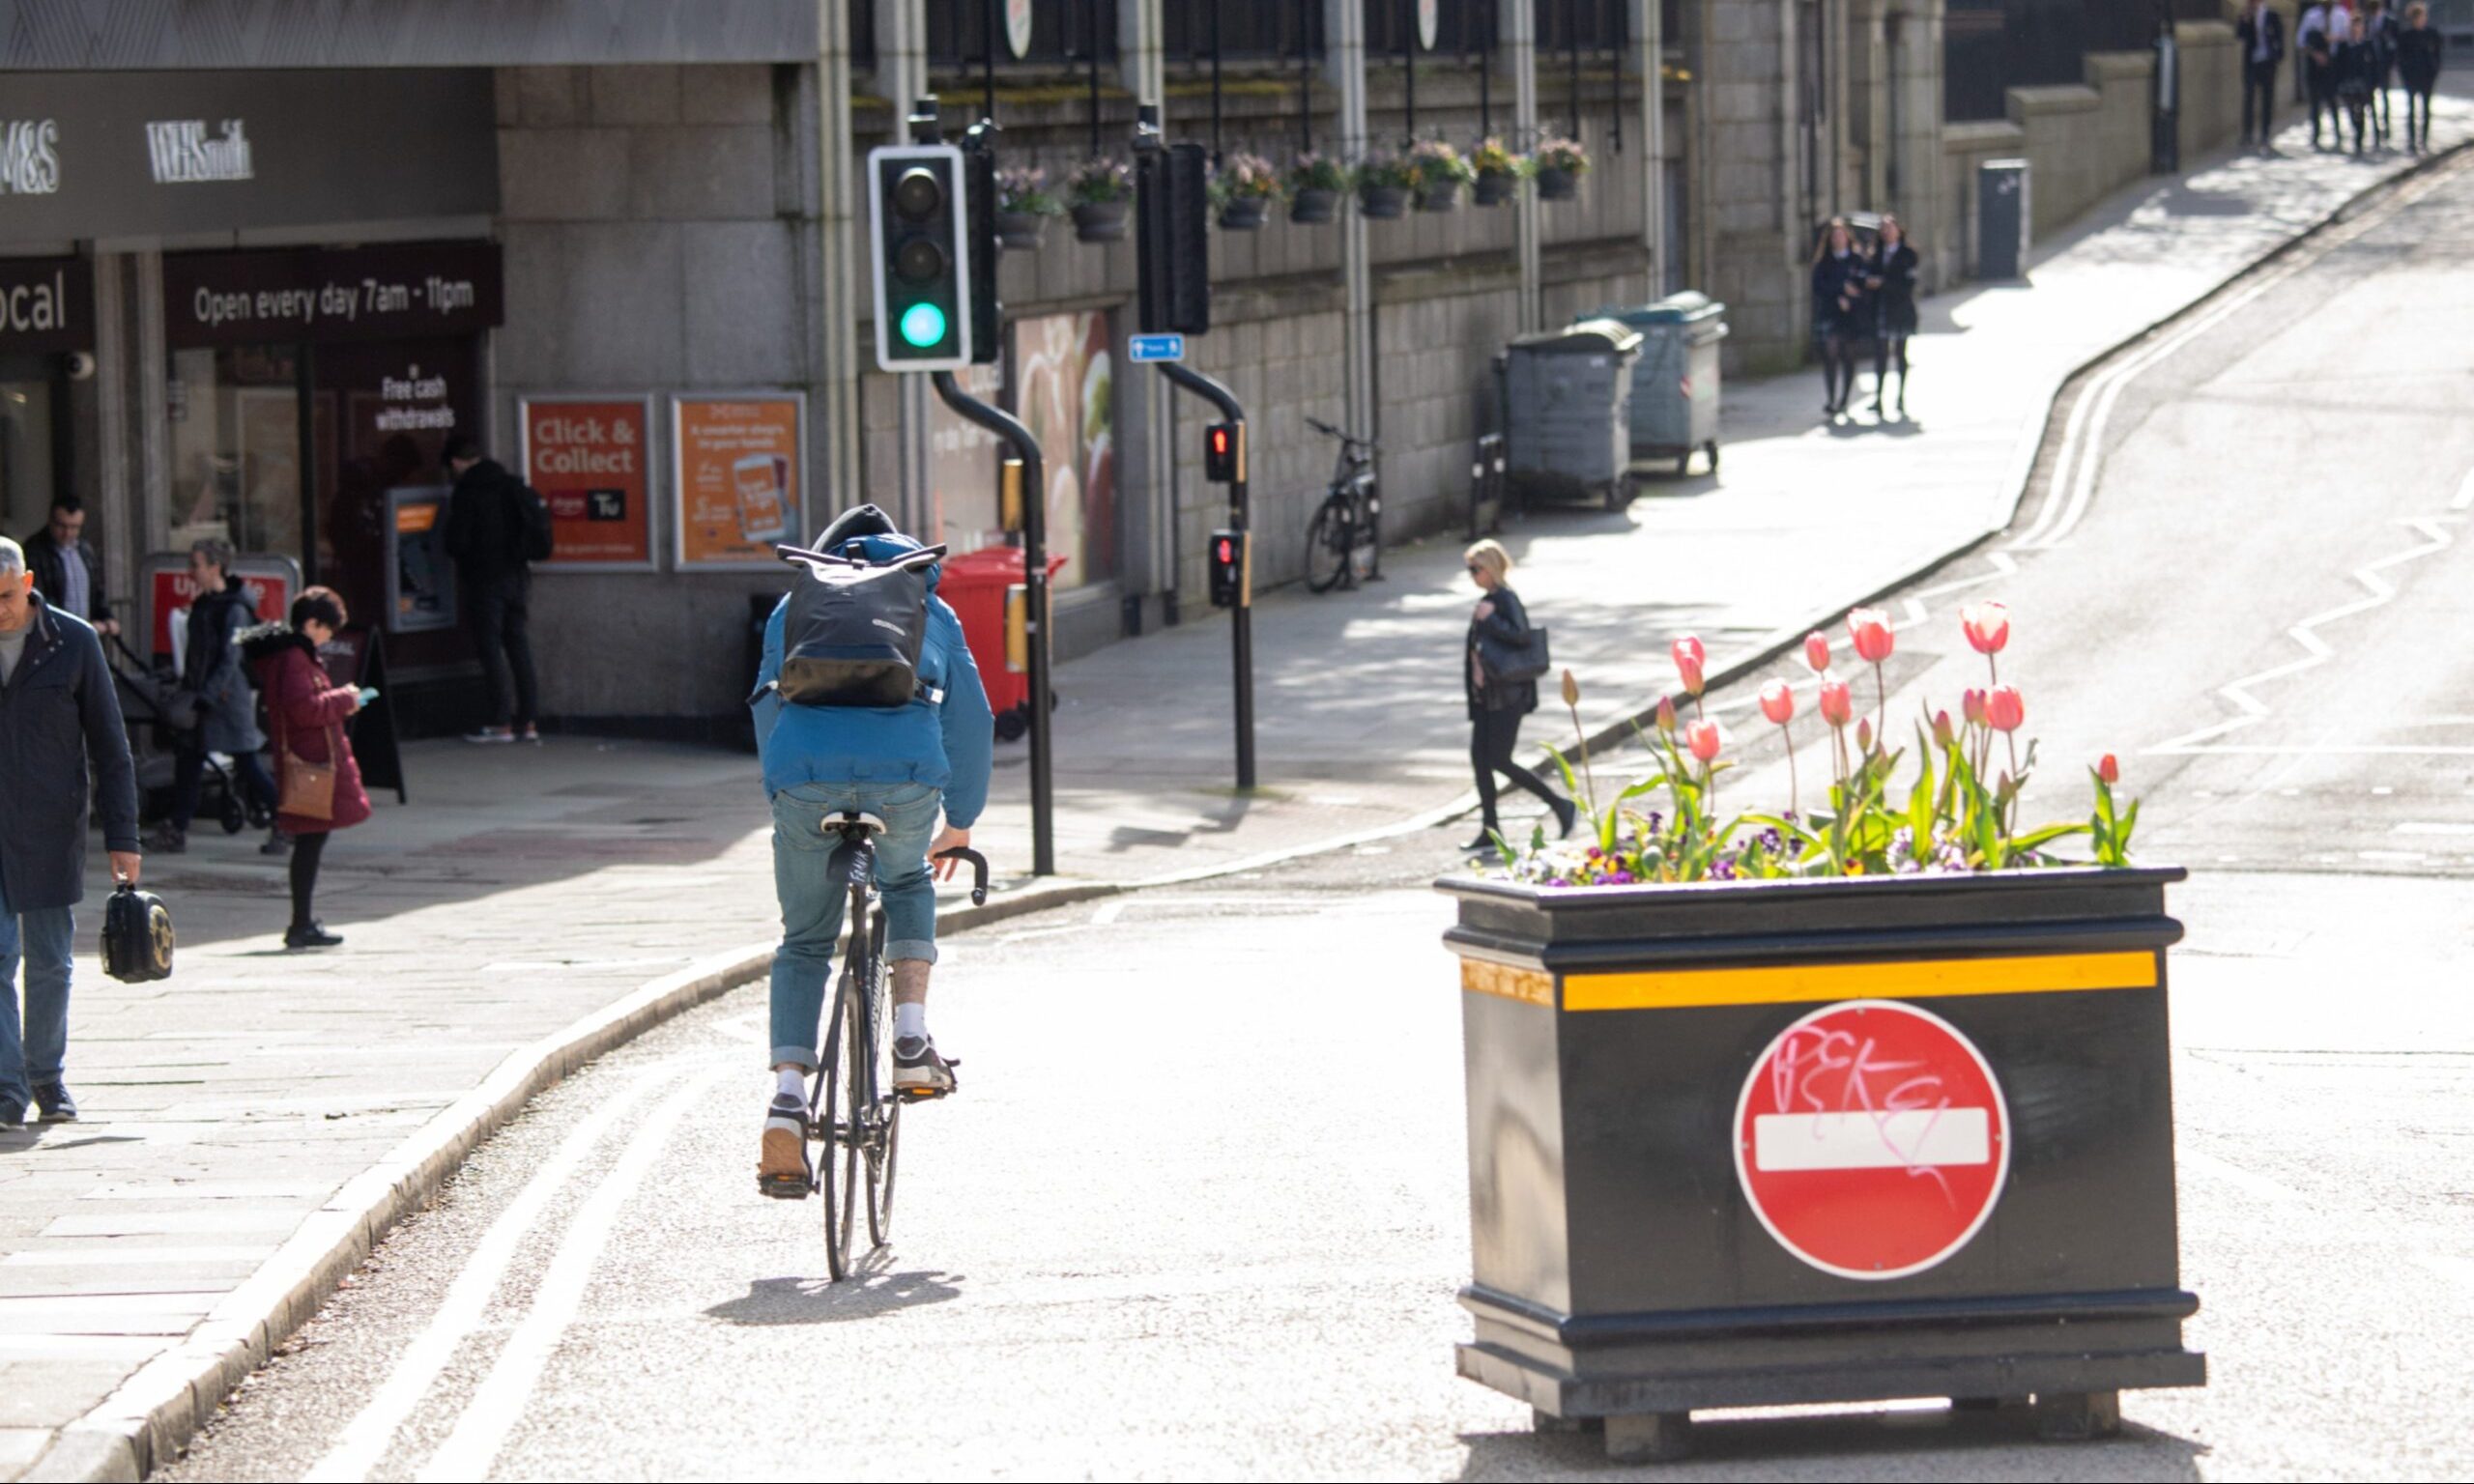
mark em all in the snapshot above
pixel 1905 1443
pixel 866 1294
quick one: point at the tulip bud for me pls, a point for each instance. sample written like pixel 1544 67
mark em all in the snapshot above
pixel 1864 735
pixel 1941 731
pixel 1666 715
pixel 2108 770
pixel 1779 703
pixel 1971 706
pixel 1704 739
pixel 1689 657
pixel 1870 629
pixel 2005 708
pixel 1987 625
pixel 1572 689
pixel 1837 702
pixel 1817 651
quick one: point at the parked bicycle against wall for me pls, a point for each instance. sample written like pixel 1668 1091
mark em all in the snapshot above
pixel 1344 541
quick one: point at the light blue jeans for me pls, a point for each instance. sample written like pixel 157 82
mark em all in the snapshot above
pixel 42 939
pixel 814 896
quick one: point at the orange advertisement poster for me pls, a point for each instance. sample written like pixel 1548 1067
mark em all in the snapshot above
pixel 590 458
pixel 739 478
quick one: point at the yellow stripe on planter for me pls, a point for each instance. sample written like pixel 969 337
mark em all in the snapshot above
pixel 1911 979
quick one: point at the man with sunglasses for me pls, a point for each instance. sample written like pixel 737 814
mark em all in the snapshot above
pixel 61 743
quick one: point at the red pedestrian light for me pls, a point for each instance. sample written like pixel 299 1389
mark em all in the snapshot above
pixel 1223 456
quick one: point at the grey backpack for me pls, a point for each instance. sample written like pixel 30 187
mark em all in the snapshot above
pixel 851 634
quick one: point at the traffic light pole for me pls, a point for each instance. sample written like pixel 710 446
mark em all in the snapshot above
pixel 1035 591
pixel 1241 626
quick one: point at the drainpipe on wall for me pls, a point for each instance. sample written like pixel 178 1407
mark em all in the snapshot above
pixel 902 81
pixel 1147 408
pixel 1344 63
pixel 837 362
pixel 1651 60
pixel 1519 21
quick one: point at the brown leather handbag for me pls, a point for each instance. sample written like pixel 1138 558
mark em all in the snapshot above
pixel 308 788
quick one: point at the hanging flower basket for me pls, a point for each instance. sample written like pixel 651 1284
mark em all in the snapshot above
pixel 1316 184
pixel 1024 206
pixel 1498 171
pixel 1101 190
pixel 1383 186
pixel 1561 164
pixel 1440 172
pixel 1245 188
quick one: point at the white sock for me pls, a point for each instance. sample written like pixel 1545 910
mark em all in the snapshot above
pixel 790 1082
pixel 911 1022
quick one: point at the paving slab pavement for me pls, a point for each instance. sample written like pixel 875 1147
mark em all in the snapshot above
pixel 251 1121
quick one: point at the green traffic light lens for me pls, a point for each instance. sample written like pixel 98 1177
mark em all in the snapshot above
pixel 923 325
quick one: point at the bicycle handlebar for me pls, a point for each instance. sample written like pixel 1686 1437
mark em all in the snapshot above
pixel 1329 431
pixel 979 874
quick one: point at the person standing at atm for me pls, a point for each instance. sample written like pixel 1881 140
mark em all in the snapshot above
pixel 497 527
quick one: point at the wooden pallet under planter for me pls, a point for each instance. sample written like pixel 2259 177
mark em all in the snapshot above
pixel 1621 1044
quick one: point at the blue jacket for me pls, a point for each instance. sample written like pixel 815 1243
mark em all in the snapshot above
pixel 949 746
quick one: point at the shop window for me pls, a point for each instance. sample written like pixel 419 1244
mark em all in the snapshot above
pixel 27 474
pixel 234 414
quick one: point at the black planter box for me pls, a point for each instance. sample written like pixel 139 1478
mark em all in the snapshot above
pixel 1624 1271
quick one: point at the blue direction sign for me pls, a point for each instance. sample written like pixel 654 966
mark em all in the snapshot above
pixel 1145 348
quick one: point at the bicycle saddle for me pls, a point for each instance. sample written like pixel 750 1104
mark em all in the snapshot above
pixel 854 822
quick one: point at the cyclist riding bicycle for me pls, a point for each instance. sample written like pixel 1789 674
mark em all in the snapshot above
pixel 899 764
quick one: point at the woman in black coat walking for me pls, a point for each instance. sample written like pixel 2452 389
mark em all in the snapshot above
pixel 1840 313
pixel 1496 707
pixel 1893 282
pixel 2419 50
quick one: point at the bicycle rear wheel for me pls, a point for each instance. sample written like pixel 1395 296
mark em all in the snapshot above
pixel 832 1118
pixel 884 1128
pixel 1327 540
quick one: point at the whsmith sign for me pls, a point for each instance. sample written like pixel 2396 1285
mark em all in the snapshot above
pixel 142 154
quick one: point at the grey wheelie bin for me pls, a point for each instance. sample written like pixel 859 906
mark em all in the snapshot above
pixel 1675 385
pixel 1569 393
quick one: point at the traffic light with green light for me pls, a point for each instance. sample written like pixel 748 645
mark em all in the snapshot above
pixel 922 258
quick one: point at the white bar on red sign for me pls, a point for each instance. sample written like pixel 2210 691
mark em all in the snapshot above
pixel 1912 1138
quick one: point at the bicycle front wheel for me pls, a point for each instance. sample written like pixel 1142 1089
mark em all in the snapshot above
pixel 884 1122
pixel 834 1146
pixel 1327 541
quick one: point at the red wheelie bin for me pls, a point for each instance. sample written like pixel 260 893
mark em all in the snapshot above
pixel 974 585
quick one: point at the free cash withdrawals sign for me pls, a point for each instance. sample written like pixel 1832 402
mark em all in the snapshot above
pixel 591 459
pixel 1872 1139
pixel 740 481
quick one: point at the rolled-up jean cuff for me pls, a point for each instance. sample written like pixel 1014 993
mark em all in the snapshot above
pixel 918 950
pixel 793 1056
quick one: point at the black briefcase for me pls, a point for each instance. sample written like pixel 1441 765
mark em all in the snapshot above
pixel 137 936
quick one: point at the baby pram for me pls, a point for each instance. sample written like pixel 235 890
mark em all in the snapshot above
pixel 161 719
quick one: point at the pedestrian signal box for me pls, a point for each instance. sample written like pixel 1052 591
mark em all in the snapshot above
pixel 1229 584
pixel 922 257
pixel 1223 452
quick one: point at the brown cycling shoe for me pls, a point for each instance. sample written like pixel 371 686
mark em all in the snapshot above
pixel 781 1167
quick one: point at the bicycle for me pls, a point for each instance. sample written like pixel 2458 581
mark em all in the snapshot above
pixel 860 1121
pixel 1350 520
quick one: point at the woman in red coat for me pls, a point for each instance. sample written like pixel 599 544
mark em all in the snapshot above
pixel 306 714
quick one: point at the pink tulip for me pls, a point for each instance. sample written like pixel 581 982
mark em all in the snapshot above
pixel 1987 625
pixel 1779 703
pixel 2108 770
pixel 1941 731
pixel 1971 706
pixel 1837 701
pixel 2005 708
pixel 1689 657
pixel 1817 651
pixel 1704 739
pixel 1870 628
pixel 1666 715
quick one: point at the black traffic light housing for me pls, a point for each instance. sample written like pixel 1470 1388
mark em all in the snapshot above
pixel 1223 452
pixel 923 258
pixel 1229 551
pixel 979 178
pixel 1173 226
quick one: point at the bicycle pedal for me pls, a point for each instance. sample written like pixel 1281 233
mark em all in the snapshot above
pixel 784 1187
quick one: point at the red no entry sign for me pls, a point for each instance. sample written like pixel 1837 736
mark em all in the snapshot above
pixel 1871 1139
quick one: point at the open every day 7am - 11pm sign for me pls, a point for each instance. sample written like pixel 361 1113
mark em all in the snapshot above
pixel 740 485
pixel 591 459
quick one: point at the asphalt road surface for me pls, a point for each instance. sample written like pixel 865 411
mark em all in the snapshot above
pixel 1201 1208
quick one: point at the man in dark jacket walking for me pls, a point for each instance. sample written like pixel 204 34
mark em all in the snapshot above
pixel 58 718
pixel 68 573
pixel 491 525
pixel 2260 33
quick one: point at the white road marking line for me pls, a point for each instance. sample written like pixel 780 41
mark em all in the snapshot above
pixel 365 1440
pixel 2315 650
pixel 2432 827
pixel 1910 1139
pixel 472 1449
pixel 1107 912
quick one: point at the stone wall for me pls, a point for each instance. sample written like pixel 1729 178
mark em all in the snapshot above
pixel 659 237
